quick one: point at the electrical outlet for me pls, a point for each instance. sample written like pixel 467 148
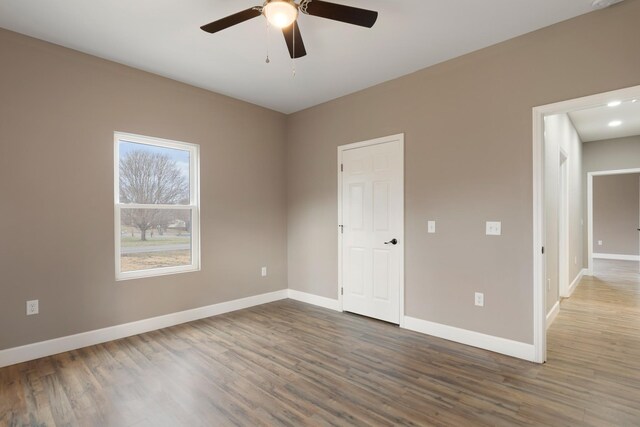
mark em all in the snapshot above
pixel 494 228
pixel 431 227
pixel 479 299
pixel 32 307
pixel 599 242
pixel 548 284
pixel 264 271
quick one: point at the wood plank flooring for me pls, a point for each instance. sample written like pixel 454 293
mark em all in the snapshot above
pixel 292 364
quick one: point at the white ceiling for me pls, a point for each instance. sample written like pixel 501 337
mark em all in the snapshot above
pixel 163 37
pixel 593 124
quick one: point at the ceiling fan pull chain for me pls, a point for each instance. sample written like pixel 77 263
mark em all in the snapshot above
pixel 268 27
pixel 293 60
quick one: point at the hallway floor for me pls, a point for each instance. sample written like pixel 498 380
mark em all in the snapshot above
pixel 594 346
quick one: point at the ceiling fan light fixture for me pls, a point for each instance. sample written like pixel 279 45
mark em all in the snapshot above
pixel 281 13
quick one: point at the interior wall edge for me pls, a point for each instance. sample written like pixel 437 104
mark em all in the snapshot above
pixel 553 313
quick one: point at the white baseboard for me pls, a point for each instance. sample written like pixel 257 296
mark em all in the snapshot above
pixel 27 352
pixel 474 339
pixel 576 281
pixel 619 257
pixel 59 345
pixel 463 336
pixel 331 304
pixel 553 313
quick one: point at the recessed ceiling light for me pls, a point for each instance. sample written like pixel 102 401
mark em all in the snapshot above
pixel 615 123
pixel 614 103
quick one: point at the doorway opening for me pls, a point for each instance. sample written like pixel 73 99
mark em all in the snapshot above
pixel 562 226
pixel 613 209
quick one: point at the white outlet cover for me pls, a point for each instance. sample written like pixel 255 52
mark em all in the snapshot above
pixel 599 242
pixel 494 228
pixel 431 227
pixel 264 271
pixel 479 299
pixel 33 307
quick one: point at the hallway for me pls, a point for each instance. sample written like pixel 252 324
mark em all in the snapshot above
pixel 594 345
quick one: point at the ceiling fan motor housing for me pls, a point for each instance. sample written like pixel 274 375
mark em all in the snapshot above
pixel 284 14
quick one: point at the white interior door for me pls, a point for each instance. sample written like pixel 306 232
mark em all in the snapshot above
pixel 373 229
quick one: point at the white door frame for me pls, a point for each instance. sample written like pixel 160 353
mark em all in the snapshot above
pixel 590 176
pixel 538 285
pixel 400 247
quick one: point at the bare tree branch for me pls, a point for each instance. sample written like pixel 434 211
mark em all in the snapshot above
pixel 150 178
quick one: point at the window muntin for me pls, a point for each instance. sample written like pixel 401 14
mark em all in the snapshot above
pixel 156 205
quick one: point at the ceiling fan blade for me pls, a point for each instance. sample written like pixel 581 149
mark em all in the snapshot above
pixel 231 20
pixel 342 13
pixel 288 32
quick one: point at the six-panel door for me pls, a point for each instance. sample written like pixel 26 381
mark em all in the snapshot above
pixel 372 216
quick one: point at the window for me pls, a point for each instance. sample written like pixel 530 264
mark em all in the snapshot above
pixel 156 206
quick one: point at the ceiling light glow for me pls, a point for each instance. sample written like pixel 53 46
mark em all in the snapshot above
pixel 614 103
pixel 615 123
pixel 281 13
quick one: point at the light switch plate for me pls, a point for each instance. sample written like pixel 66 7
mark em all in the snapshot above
pixel 494 228
pixel 479 299
pixel 431 227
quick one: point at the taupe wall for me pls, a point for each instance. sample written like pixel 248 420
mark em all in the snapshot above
pixel 561 136
pixel 468 159
pixel 615 214
pixel 468 126
pixel 610 154
pixel 58 112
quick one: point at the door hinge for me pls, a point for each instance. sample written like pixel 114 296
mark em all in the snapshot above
pixel 341 229
pixel 341 291
pixel 341 167
pixel 543 250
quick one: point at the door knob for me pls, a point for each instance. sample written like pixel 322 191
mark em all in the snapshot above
pixel 392 242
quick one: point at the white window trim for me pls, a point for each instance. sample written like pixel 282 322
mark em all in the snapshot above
pixel 194 196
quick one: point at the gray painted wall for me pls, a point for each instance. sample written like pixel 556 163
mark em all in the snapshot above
pixel 616 213
pixel 468 126
pixel 611 154
pixel 468 159
pixel 561 135
pixel 58 113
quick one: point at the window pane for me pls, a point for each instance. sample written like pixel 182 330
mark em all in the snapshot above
pixel 151 174
pixel 154 238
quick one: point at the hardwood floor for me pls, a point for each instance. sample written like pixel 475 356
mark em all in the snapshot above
pixel 289 363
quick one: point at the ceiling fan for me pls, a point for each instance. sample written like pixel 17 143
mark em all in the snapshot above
pixel 284 14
